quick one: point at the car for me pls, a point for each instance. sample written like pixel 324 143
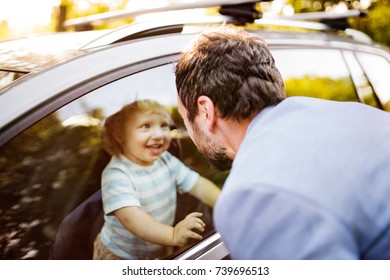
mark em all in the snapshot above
pixel 57 90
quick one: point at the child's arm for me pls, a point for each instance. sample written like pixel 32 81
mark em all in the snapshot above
pixel 145 227
pixel 206 191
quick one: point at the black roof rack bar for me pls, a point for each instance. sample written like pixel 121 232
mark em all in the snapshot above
pixel 326 15
pixel 132 31
pixel 284 22
pixel 139 29
pixel 335 20
pixel 14 71
pixel 242 13
pixel 104 17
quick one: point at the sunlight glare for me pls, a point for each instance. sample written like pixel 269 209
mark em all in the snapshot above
pixel 141 4
pixel 83 5
pixel 288 10
pixel 24 15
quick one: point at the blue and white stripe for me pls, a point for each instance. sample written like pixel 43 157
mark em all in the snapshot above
pixel 153 188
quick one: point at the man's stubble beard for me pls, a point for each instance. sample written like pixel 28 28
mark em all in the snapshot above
pixel 215 154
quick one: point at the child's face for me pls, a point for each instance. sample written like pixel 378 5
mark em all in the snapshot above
pixel 146 137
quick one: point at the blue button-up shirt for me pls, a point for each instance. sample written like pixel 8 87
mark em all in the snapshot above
pixel 311 180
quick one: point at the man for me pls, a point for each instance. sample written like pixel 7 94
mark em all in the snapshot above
pixel 310 178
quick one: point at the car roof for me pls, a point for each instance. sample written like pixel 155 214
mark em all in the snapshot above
pixel 36 52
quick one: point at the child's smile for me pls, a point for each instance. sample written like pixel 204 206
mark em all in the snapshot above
pixel 147 136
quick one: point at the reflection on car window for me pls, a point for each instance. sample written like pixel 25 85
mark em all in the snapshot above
pixel 45 172
pixel 8 77
pixel 364 90
pixel 156 83
pixel 315 72
pixel 377 69
pixel 53 166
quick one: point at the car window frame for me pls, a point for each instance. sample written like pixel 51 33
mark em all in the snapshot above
pixel 369 76
pixel 353 56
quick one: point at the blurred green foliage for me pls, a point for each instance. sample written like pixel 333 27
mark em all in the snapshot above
pixel 376 25
pixel 325 88
pixel 45 171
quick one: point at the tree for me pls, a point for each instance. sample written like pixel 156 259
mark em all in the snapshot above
pixel 376 25
pixel 378 22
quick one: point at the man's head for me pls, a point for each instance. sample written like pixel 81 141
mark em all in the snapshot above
pixel 233 71
pixel 234 68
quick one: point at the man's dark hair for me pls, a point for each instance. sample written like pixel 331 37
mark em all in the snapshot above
pixel 234 68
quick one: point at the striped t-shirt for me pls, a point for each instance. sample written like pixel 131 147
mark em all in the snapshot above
pixel 153 188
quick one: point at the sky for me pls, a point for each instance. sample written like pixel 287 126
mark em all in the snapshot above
pixel 23 15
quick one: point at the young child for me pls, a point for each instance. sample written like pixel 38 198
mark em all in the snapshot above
pixel 139 186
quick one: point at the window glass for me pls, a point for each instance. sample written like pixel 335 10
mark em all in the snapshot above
pixel 53 166
pixel 377 69
pixel 316 73
pixel 364 90
pixel 45 172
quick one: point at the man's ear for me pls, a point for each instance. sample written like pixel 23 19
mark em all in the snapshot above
pixel 207 111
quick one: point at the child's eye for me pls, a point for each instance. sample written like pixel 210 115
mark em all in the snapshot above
pixel 166 127
pixel 145 125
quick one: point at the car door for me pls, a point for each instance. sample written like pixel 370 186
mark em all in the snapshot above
pixel 51 158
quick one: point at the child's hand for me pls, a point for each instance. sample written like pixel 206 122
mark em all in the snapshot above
pixel 183 230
